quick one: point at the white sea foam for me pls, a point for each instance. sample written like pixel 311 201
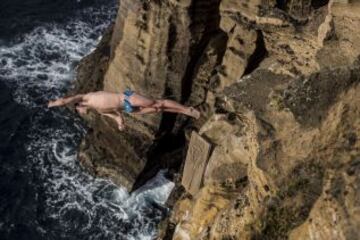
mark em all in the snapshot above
pixel 94 201
pixel 45 58
pixel 42 67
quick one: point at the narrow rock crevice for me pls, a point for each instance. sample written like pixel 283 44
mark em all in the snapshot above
pixel 168 119
pixel 187 81
pixel 165 153
pixel 211 28
pixel 203 27
pixel 259 54
pixel 172 38
pixel 319 3
pixel 281 4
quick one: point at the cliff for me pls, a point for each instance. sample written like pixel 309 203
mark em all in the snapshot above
pixel 276 153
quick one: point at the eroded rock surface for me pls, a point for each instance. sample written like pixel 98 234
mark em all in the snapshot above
pixel 281 130
pixel 278 85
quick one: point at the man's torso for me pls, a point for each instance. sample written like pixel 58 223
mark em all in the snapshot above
pixel 104 100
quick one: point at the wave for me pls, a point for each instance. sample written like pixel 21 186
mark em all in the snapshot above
pixel 41 63
pixel 38 66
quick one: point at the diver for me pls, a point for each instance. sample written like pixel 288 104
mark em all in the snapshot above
pixel 111 104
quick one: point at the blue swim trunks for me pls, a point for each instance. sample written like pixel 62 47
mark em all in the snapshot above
pixel 127 105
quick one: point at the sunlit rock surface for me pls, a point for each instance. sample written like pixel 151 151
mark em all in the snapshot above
pixel 277 83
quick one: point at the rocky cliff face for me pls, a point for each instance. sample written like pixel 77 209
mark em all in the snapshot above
pixel 153 50
pixel 277 83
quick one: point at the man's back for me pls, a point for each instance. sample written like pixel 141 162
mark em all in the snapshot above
pixel 104 100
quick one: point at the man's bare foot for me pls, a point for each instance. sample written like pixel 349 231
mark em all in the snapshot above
pixel 194 113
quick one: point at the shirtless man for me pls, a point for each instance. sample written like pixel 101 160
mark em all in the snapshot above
pixel 110 105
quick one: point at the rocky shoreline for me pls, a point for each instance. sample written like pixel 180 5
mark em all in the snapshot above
pixel 276 154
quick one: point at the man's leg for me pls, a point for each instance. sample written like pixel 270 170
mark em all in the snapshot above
pixel 190 111
pixel 165 103
pixel 68 100
pixel 147 110
pixel 138 100
pixel 172 106
pixel 152 106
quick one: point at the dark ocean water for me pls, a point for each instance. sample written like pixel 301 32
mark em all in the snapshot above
pixel 44 193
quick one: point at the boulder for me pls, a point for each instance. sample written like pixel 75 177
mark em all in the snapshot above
pixel 195 163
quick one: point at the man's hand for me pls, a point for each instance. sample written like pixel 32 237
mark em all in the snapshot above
pixel 56 103
pixel 121 127
pixel 51 104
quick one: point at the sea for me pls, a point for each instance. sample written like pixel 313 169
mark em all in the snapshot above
pixel 44 191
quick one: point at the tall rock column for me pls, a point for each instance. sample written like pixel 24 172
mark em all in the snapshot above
pixel 153 44
pixel 152 50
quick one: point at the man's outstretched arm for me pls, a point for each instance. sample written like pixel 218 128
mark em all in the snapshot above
pixel 67 100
